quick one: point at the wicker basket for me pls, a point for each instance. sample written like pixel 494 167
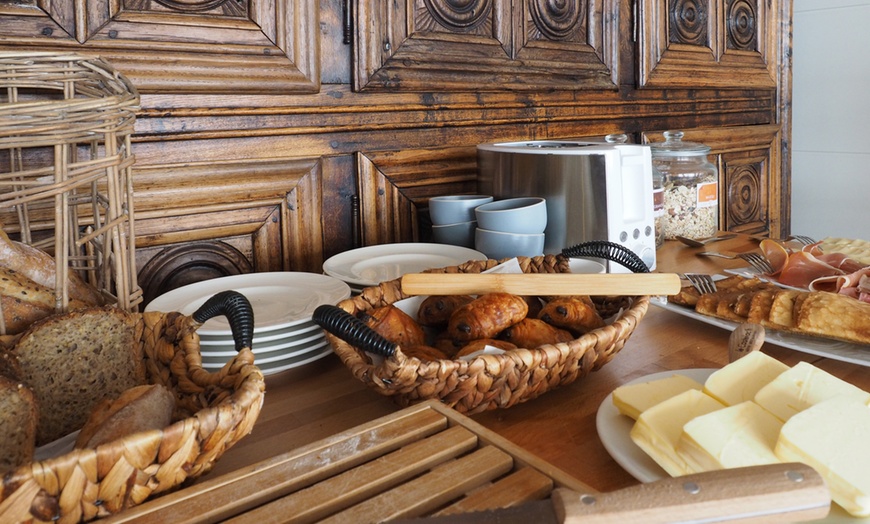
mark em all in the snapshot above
pixel 488 381
pixel 66 167
pixel 218 408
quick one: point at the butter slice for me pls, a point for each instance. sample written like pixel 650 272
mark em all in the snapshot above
pixel 832 437
pixel 658 429
pixel 801 387
pixel 740 380
pixel 633 399
pixel 744 434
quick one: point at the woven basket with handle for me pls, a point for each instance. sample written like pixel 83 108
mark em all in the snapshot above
pixel 215 410
pixel 487 381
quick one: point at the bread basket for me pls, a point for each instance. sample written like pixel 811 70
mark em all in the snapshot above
pixel 485 382
pixel 217 410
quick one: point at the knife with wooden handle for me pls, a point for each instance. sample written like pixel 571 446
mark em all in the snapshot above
pixel 767 494
pixel 635 284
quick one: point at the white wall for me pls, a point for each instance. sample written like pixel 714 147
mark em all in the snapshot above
pixel 831 118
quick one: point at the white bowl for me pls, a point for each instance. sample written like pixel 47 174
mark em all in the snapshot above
pixel 499 244
pixel 455 209
pixel 461 234
pixel 583 265
pixel 524 215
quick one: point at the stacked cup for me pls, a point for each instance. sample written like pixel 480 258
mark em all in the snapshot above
pixel 453 220
pixel 511 227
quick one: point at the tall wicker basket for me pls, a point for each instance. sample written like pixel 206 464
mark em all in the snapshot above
pixel 66 167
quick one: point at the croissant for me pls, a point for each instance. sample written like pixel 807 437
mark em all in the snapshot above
pixel 479 344
pixel 394 325
pixel 533 332
pixel 424 352
pixel 577 313
pixel 435 310
pixel 486 316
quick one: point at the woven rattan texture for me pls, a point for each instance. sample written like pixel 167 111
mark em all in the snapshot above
pixel 66 166
pixel 215 410
pixel 488 381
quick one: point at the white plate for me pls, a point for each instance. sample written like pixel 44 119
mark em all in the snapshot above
pixel 280 299
pixel 268 338
pixel 371 265
pixel 265 350
pixel 748 272
pixel 822 347
pixel 282 365
pixel 267 358
pixel 614 431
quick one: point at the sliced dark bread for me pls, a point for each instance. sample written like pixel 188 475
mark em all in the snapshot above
pixel 18 419
pixel 73 361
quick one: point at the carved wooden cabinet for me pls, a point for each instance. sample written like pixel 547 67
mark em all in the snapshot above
pixel 273 134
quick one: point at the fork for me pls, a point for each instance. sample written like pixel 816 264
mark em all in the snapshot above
pixel 702 282
pixel 756 260
pixel 805 240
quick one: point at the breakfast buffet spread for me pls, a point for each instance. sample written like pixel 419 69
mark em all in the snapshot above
pixel 116 384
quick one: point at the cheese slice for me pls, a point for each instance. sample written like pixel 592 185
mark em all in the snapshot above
pixel 633 399
pixel 832 437
pixel 740 435
pixel 658 429
pixel 740 380
pixel 802 386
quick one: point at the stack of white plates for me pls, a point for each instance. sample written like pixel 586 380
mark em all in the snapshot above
pixel 285 336
pixel 369 266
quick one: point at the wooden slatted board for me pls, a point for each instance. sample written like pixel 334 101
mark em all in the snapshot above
pixel 423 460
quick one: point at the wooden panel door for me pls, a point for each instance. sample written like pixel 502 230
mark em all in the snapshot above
pixel 179 46
pixel 708 43
pixel 395 187
pixel 441 45
pixel 268 218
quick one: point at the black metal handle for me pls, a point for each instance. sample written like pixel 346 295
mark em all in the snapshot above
pixel 609 251
pixel 352 330
pixel 236 307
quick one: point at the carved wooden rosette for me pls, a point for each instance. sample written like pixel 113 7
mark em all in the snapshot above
pixel 497 44
pixel 180 46
pixel 719 40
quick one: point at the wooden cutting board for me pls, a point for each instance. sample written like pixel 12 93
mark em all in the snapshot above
pixel 426 459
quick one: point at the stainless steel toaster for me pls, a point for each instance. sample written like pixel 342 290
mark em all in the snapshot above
pixel 594 190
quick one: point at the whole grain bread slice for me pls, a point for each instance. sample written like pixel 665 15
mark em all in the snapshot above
pixel 18 419
pixel 72 361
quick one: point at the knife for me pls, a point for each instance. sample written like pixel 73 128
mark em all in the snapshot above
pixel 769 494
pixel 541 283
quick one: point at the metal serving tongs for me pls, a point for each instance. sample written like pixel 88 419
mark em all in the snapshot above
pixel 641 282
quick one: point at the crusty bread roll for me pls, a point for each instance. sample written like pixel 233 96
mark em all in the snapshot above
pixel 18 419
pixel 140 408
pixel 24 301
pixel 72 361
pixel 40 267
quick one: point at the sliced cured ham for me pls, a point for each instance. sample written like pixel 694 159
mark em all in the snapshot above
pixel 855 284
pixel 775 253
pixel 802 268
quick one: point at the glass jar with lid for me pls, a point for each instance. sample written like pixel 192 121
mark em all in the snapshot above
pixel 691 188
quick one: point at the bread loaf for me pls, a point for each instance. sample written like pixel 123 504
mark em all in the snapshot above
pixel 24 301
pixel 73 361
pixel 18 418
pixel 40 267
pixel 140 408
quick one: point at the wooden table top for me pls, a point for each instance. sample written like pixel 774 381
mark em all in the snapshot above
pixel 308 404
